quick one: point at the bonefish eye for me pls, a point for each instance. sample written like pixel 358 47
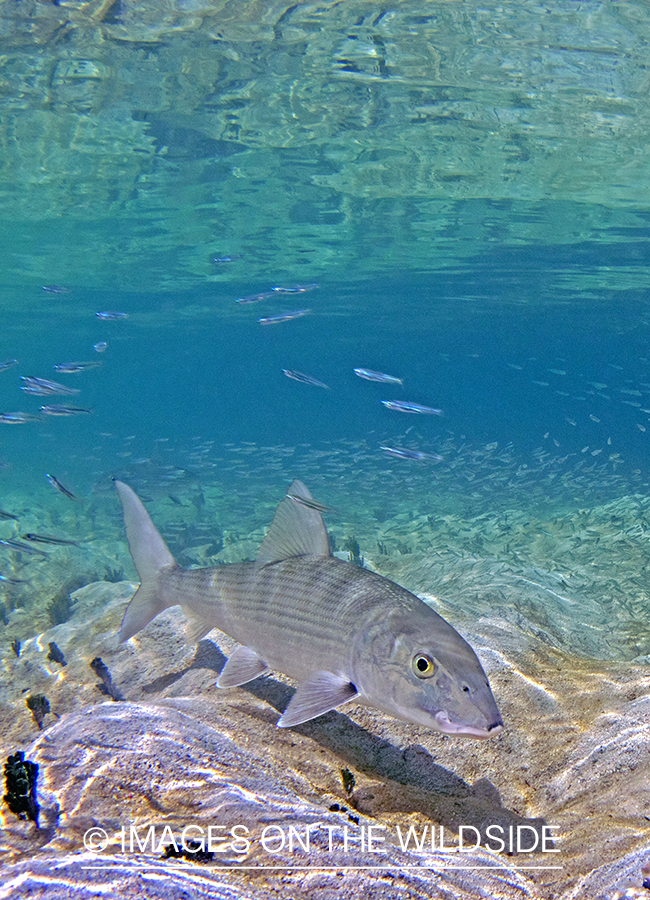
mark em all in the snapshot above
pixel 423 665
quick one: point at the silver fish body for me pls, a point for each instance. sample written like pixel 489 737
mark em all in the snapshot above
pixel 408 407
pixel 47 539
pixel 255 298
pixel 57 409
pixel 304 379
pixel 309 502
pixel 295 289
pixel 22 548
pixel 9 580
pixel 109 315
pixel 60 487
pixel 74 367
pixel 382 377
pixel 342 632
pixel 17 418
pixel 405 453
pixel 42 387
pixel 283 317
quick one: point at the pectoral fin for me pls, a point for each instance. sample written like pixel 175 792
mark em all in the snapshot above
pixel 197 629
pixel 241 667
pixel 320 693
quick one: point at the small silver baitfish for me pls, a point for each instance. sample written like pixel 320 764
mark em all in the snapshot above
pixel 17 418
pixel 304 379
pixel 57 409
pixel 9 580
pixel 295 289
pixel 47 539
pixel 109 315
pixel 342 632
pixel 73 367
pixel 408 407
pixel 59 487
pixel 283 317
pixel 22 548
pixel 405 453
pixel 42 387
pixel 310 503
pixel 382 377
pixel 255 298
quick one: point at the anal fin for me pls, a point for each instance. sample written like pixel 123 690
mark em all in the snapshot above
pixel 320 693
pixel 242 666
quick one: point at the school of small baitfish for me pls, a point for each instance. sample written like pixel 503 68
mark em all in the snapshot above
pixel 628 393
pixel 366 463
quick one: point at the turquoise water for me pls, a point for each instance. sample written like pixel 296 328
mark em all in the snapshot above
pixel 465 191
pixel 554 387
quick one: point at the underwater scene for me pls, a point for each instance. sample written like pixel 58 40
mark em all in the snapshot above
pixel 302 302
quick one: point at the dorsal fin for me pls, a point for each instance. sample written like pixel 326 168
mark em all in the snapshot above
pixel 296 529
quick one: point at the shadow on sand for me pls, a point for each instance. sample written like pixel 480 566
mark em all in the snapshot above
pixel 427 787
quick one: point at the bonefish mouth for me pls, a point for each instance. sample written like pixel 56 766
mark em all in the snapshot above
pixel 461 729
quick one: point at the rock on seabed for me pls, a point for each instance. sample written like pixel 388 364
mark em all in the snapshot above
pixel 180 756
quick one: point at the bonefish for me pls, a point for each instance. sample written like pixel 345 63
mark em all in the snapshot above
pixel 342 632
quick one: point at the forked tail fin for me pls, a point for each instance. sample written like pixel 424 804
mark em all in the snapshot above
pixel 151 557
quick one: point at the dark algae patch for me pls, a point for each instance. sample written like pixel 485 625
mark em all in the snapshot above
pixel 113 575
pixel 191 850
pixel 20 787
pixel 39 706
pixel 351 544
pixel 106 685
pixel 55 655
pixel 60 606
pixel 348 780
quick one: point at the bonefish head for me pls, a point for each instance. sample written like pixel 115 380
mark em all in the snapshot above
pixel 416 667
